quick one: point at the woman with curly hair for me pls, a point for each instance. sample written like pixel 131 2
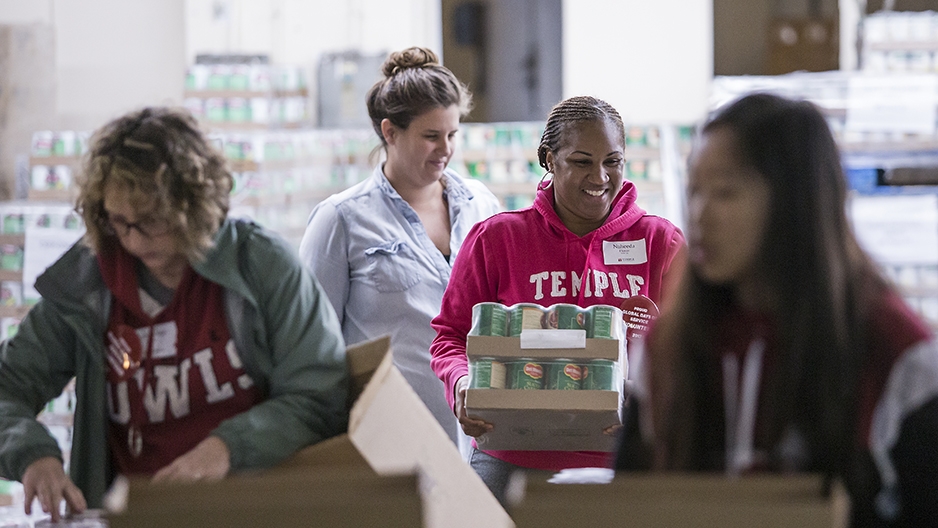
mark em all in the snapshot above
pixel 199 344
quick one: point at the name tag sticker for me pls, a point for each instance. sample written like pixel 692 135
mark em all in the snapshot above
pixel 624 252
pixel 164 339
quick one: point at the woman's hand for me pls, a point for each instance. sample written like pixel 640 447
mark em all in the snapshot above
pixel 613 430
pixel 45 479
pixel 470 426
pixel 210 460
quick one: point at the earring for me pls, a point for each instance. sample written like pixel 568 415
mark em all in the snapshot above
pixel 541 185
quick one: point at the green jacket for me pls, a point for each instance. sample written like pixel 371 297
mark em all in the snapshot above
pixel 283 326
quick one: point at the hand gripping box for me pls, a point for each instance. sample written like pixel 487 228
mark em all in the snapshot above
pixel 562 420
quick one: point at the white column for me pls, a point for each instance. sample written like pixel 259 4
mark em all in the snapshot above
pixel 850 19
pixel 653 61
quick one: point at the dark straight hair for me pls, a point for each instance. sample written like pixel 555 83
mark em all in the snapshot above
pixel 811 263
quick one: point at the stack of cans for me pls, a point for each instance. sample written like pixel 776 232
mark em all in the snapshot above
pixel 496 319
pixel 527 373
pixel 537 374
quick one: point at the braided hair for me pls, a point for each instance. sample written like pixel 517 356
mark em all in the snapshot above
pixel 570 111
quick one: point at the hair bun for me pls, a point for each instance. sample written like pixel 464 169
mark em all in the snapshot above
pixel 414 57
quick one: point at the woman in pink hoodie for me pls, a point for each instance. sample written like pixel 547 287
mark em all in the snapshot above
pixel 584 241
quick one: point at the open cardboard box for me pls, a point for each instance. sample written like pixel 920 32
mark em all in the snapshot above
pixel 668 500
pixel 328 496
pixel 560 420
pixel 393 441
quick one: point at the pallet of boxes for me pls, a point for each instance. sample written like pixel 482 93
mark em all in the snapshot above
pixel 547 378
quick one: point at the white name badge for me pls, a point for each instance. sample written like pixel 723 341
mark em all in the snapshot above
pixel 624 252
pixel 164 339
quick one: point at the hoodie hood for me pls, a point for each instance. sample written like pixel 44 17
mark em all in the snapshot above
pixel 622 215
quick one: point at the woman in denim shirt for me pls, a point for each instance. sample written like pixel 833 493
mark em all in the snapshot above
pixel 383 249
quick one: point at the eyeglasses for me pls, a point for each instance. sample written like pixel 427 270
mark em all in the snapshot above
pixel 149 227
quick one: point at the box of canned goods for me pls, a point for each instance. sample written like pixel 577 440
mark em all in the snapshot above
pixel 555 420
pixel 506 348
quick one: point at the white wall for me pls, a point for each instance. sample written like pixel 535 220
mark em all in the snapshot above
pixel 111 55
pixel 652 60
pixel 25 11
pixel 519 31
pixel 115 55
pixel 299 32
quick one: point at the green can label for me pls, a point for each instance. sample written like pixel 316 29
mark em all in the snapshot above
pixel 565 317
pixel 525 375
pixel 563 375
pixel 489 319
pixel 598 375
pixel 486 373
pixel 522 316
pixel 604 322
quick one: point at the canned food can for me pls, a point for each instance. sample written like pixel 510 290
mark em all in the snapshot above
pixel 11 257
pixel 604 322
pixel 599 375
pixel 61 177
pixel 489 319
pixel 524 315
pixel 486 373
pixel 11 293
pixel 565 317
pixel 14 222
pixel 40 177
pixel 563 375
pixel 237 109
pixel 215 109
pixel 525 374
pixel 42 143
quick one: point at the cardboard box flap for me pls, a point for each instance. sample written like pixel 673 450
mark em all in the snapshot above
pixel 396 434
pixel 363 360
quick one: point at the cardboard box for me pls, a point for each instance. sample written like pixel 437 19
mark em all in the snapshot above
pixel 326 497
pixel 802 44
pixel 510 347
pixel 561 420
pixel 396 434
pixel 394 453
pixel 667 500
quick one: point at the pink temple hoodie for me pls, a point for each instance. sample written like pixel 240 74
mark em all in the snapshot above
pixel 530 256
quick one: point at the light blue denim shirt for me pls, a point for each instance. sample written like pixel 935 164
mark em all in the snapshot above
pixel 383 274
